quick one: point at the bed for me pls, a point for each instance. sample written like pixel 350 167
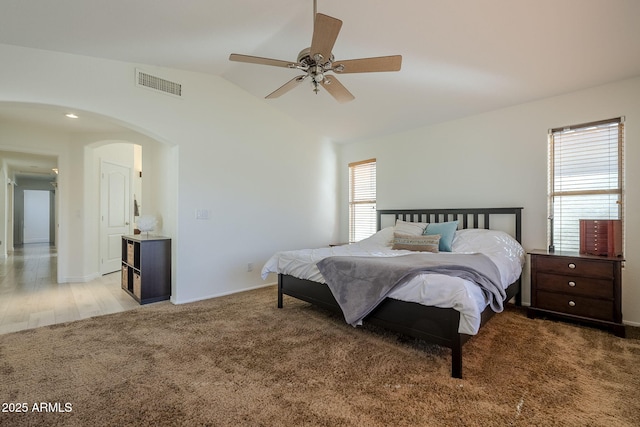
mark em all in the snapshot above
pixel 420 307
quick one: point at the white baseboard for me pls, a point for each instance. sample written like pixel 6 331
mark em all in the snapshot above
pixel 79 279
pixel 222 294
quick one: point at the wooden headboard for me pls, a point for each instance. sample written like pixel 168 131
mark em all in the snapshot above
pixel 467 217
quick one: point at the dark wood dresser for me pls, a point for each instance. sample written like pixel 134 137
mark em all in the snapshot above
pixel 584 288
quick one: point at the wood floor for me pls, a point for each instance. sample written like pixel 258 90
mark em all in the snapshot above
pixel 30 296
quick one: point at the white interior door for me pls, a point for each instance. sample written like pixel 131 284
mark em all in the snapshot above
pixel 36 216
pixel 115 206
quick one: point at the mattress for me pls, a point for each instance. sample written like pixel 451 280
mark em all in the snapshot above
pixel 427 289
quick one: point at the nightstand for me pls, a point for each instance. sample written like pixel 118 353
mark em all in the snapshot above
pixel 584 288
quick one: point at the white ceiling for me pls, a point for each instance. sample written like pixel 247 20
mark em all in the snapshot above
pixel 460 57
pixel 30 166
pixel 40 167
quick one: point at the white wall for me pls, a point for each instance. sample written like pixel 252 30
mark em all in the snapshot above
pixel 500 159
pixel 266 181
pixel 6 214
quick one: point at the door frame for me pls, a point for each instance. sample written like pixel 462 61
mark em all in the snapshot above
pixel 103 234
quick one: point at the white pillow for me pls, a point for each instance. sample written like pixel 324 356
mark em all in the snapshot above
pixel 481 240
pixel 383 237
pixel 500 247
pixel 410 228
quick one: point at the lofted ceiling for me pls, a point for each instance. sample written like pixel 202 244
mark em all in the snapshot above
pixel 460 57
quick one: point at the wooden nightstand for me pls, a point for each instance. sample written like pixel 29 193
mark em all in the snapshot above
pixel 584 288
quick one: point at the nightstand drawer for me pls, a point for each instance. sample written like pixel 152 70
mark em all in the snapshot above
pixel 575 266
pixel 576 305
pixel 575 285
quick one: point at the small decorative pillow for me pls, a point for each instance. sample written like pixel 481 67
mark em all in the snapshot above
pixel 410 228
pixel 416 243
pixel 446 230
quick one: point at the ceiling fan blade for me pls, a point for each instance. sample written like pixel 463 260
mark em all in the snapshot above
pixel 337 90
pixel 369 65
pixel 286 87
pixel 325 33
pixel 262 61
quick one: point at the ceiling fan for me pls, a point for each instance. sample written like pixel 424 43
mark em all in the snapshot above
pixel 316 61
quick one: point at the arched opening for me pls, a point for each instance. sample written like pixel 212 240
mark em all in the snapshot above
pixel 29 132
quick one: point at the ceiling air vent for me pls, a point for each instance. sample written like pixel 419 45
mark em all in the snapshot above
pixel 156 83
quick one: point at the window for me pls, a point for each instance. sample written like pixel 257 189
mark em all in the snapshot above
pixel 585 179
pixel 362 199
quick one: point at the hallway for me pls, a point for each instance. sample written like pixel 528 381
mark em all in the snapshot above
pixel 30 296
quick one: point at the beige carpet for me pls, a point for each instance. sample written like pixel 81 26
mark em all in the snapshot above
pixel 238 360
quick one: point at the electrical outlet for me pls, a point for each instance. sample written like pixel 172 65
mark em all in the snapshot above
pixel 249 267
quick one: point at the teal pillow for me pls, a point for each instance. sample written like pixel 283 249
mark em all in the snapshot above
pixel 446 230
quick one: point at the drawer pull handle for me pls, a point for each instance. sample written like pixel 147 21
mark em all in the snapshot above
pixel 572 304
pixel 572 265
pixel 572 284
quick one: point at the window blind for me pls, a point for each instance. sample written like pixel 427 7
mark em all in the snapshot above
pixel 585 179
pixel 362 199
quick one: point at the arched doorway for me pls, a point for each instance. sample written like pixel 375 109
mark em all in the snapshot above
pixel 44 130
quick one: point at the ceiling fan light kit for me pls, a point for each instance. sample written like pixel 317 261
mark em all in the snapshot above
pixel 318 60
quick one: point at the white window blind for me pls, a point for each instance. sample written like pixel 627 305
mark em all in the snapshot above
pixel 362 199
pixel 585 179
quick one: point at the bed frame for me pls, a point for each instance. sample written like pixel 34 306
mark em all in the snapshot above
pixel 431 324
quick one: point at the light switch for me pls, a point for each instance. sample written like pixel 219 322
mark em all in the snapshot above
pixel 202 214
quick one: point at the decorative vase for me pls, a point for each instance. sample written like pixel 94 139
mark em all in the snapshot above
pixel 146 223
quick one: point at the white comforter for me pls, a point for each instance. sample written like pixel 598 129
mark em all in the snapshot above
pixel 428 289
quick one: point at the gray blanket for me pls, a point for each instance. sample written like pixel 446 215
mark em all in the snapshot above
pixel 359 284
